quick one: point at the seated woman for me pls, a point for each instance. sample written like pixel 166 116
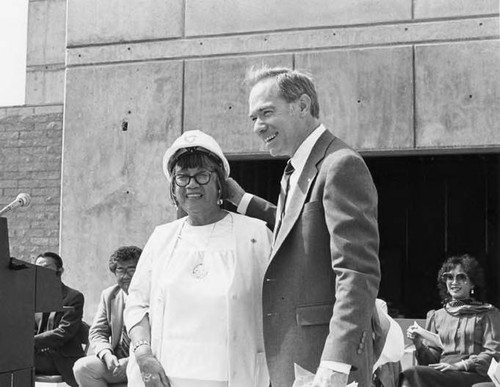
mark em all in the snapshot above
pixel 194 310
pixel 469 330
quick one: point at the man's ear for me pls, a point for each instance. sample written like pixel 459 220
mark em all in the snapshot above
pixel 60 271
pixel 304 104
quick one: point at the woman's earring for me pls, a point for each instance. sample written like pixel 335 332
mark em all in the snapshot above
pixel 219 200
pixel 472 291
pixel 174 203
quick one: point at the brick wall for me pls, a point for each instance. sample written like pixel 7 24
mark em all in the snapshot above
pixel 30 161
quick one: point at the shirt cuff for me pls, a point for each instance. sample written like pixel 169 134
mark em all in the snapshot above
pixel 244 202
pixel 336 366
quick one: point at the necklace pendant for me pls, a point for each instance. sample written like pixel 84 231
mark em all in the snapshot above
pixel 199 271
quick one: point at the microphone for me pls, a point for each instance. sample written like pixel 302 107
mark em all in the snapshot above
pixel 22 200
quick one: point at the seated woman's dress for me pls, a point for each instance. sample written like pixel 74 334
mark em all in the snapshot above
pixel 470 332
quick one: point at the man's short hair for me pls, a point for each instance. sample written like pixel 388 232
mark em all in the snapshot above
pixel 291 84
pixel 124 254
pixel 54 256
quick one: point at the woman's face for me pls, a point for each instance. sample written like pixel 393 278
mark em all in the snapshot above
pixel 458 283
pixel 197 196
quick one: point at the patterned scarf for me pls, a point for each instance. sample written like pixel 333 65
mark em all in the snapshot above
pixel 466 306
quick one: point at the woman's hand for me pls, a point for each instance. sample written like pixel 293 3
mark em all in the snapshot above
pixel 446 367
pixel 152 372
pixel 412 334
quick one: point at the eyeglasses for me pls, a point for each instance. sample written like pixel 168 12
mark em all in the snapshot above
pixel 121 271
pixel 460 277
pixel 202 178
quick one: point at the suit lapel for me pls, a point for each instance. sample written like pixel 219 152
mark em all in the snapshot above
pixel 299 195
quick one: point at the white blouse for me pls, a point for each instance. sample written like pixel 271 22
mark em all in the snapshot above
pixel 194 292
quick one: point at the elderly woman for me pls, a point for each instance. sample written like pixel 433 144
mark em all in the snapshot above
pixel 194 306
pixel 468 328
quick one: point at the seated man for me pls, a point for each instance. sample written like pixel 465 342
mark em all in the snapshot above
pixel 57 340
pixel 108 336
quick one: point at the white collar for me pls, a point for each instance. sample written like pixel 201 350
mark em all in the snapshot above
pixel 300 156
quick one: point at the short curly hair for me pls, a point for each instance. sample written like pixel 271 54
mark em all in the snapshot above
pixel 471 267
pixel 124 254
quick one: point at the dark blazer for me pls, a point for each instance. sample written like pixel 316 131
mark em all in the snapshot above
pixel 323 276
pixel 61 337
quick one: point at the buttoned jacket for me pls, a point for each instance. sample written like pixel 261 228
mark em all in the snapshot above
pixel 322 280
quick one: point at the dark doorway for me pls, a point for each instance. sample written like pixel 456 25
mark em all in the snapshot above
pixel 430 207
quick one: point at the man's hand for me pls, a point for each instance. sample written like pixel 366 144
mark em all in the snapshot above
pixel 447 367
pixel 234 191
pixel 111 361
pixel 326 377
pixel 121 370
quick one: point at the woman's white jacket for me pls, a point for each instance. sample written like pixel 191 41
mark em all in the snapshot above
pixel 247 365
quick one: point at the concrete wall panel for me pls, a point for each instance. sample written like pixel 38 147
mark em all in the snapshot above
pixel 225 16
pixel 365 95
pixel 425 9
pixel 216 100
pixel 118 123
pixel 458 94
pixel 46 32
pixel 44 86
pixel 97 21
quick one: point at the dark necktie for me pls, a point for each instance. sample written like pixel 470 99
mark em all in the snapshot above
pixel 285 188
pixel 125 342
pixel 43 322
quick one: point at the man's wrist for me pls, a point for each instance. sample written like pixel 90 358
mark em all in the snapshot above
pixel 101 355
pixel 244 202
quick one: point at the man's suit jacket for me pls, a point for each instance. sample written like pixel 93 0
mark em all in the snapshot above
pixel 61 337
pixel 311 312
pixel 107 326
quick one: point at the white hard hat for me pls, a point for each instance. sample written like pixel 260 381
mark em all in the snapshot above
pixel 193 140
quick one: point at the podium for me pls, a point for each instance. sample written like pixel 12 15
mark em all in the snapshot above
pixel 24 289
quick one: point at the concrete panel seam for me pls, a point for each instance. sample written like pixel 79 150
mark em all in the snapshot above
pixel 284 31
pixel 332 38
pixel 46 67
pixel 288 51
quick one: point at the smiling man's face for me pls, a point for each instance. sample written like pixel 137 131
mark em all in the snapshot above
pixel 275 120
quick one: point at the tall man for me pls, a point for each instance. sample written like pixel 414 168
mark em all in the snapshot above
pixel 323 276
pixel 58 341
pixel 108 337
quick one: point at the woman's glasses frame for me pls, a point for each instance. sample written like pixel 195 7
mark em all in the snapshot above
pixel 202 178
pixel 449 277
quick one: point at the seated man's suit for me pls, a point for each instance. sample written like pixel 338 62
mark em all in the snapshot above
pixel 105 335
pixel 58 341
